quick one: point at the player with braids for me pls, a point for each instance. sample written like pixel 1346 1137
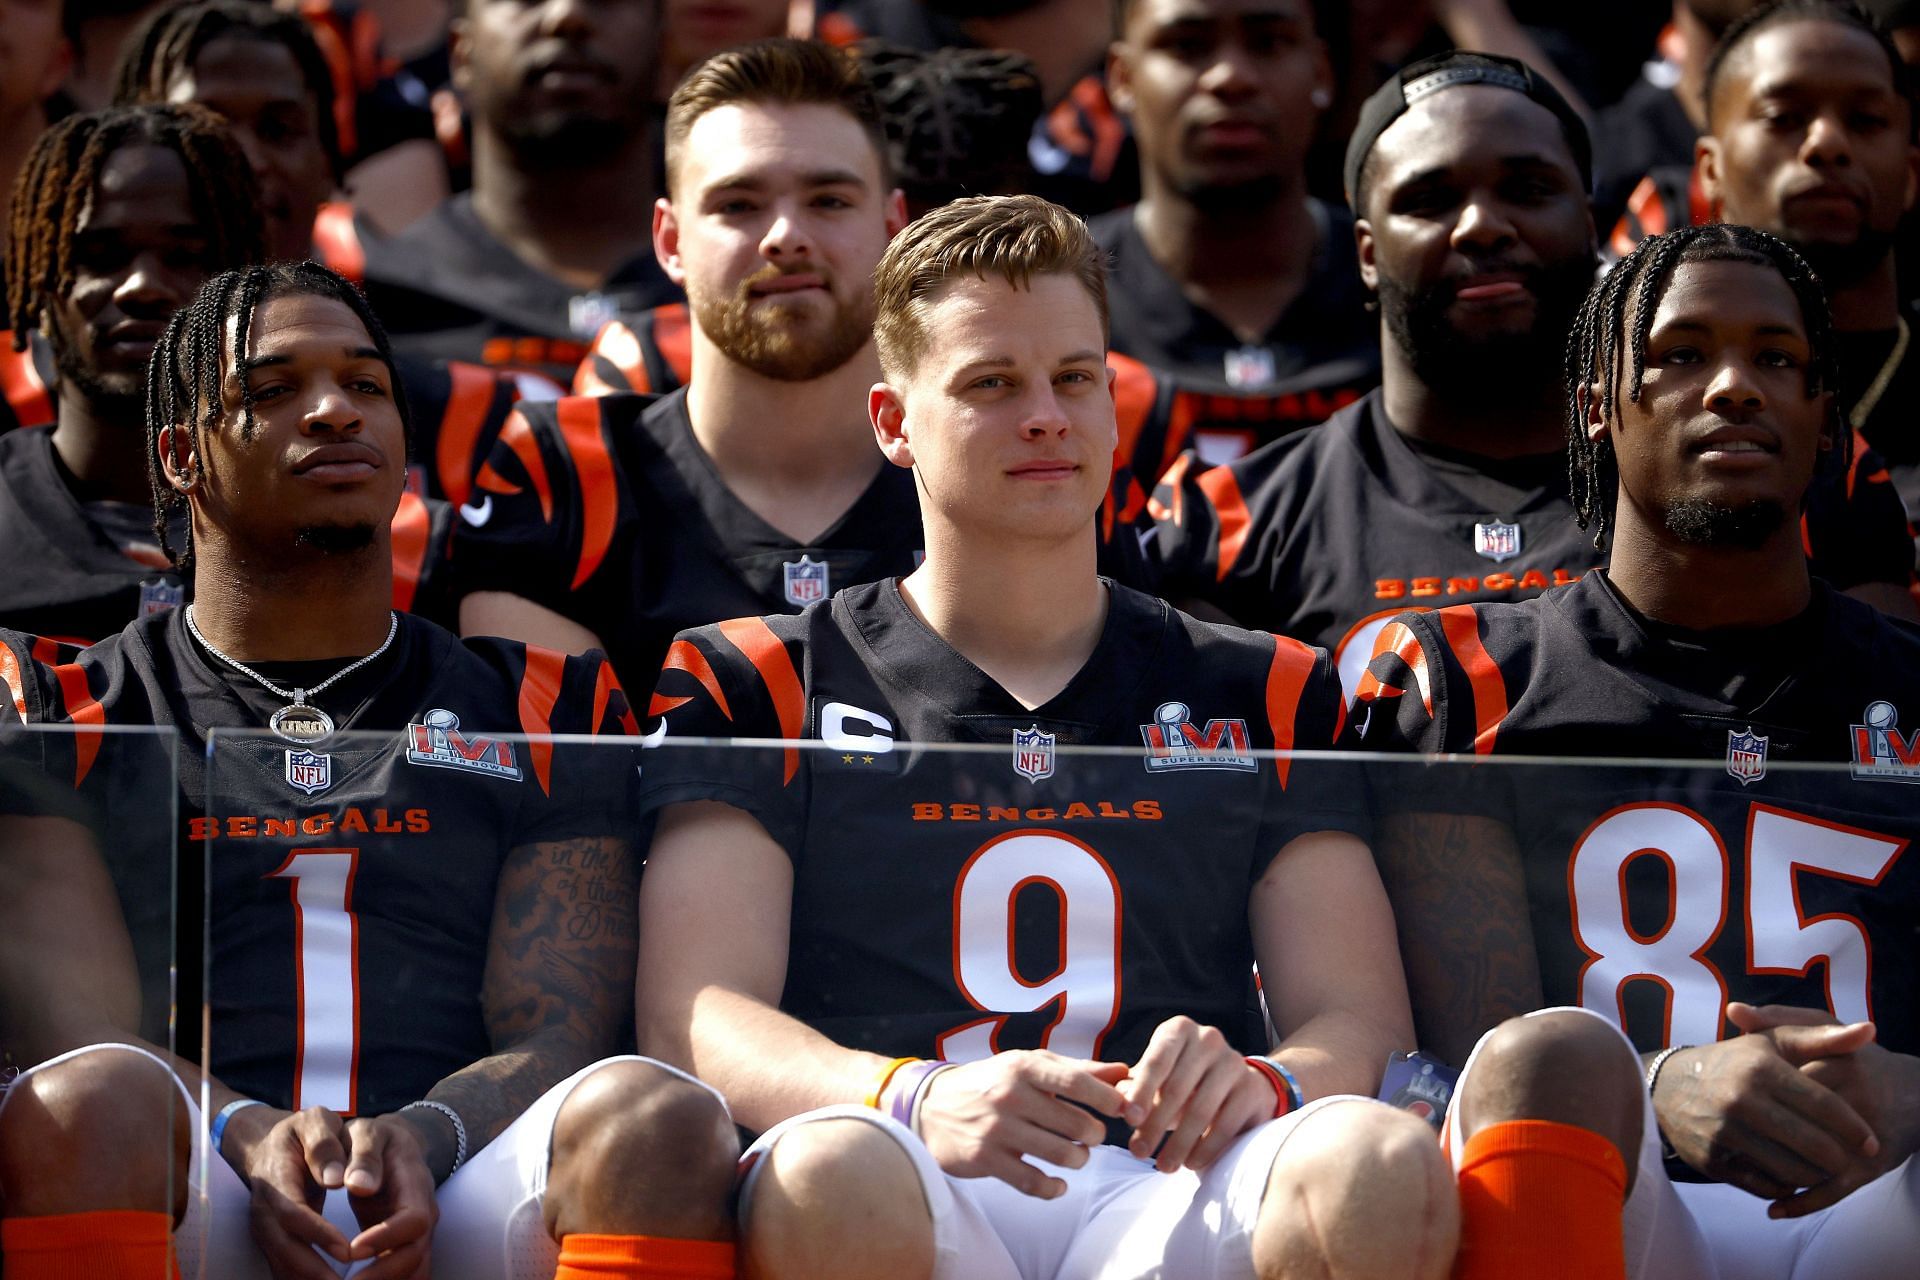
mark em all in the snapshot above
pixel 1628 297
pixel 957 119
pixel 184 381
pixel 66 166
pixel 118 217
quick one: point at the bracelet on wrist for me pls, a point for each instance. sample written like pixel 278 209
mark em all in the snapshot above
pixel 1653 1077
pixel 228 1112
pixel 1286 1088
pixel 902 1092
pixel 886 1078
pixel 459 1128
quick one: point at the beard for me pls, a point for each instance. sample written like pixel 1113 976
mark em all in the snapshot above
pixel 1506 367
pixel 547 141
pixel 762 338
pixel 1841 266
pixel 1700 523
pixel 1218 199
pixel 113 397
pixel 334 539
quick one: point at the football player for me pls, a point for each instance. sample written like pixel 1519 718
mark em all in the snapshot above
pixel 420 933
pixel 1015 957
pixel 1776 1006
pixel 757 488
pixel 1448 486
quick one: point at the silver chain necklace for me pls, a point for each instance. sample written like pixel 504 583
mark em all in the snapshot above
pixel 300 721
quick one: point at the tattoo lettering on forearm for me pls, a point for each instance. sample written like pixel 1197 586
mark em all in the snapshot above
pixel 1460 900
pixel 559 979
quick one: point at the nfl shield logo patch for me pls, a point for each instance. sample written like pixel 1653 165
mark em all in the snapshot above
pixel 309 771
pixel 1033 753
pixel 1746 755
pixel 1249 367
pixel 806 581
pixel 1496 540
pixel 157 595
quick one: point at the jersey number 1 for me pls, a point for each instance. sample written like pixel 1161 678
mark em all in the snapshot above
pixel 1085 982
pixel 326 975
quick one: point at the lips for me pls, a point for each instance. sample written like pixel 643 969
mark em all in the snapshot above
pixel 1827 194
pixel 786 282
pixel 339 463
pixel 1492 286
pixel 568 72
pixel 1044 469
pixel 1735 444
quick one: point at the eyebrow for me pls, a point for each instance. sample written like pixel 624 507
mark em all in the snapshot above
pixel 811 178
pixel 262 362
pixel 1008 362
pixel 1525 160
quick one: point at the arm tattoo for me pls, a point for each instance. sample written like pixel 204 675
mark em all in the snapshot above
pixel 1460 901
pixel 559 981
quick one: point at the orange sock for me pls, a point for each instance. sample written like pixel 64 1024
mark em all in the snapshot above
pixel 111 1245
pixel 585 1257
pixel 1540 1199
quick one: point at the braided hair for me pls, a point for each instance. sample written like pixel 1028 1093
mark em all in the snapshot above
pixel 164 47
pixel 187 375
pixel 57 184
pixel 957 120
pixel 1609 339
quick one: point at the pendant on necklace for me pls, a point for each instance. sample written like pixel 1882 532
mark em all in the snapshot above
pixel 302 722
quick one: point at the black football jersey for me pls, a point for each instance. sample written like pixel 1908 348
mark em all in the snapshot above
pixel 1010 894
pixel 350 884
pixel 73 581
pixel 446 289
pixel 1327 534
pixel 1657 892
pixel 607 510
pixel 1322 354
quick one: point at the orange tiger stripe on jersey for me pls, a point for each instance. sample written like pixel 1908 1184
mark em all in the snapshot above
pixel 1397 639
pixel 47 649
pixel 1223 491
pixel 16 683
pixel 1109 133
pixel 1462 627
pixel 336 241
pixel 684 655
pixel 754 638
pixel 673 334
pixel 619 346
pixel 1134 391
pixel 539 693
pixel 579 418
pixel 468 399
pixel 82 709
pixel 411 528
pixel 605 685
pixel 21 386
pixel 1806 536
pixel 1171 482
pixel 1286 681
pixel 518 436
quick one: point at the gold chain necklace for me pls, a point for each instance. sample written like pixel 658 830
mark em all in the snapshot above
pixel 1863 407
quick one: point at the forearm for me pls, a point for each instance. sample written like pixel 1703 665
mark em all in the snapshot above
pixel 492 1093
pixel 768 1064
pixel 1488 26
pixel 1341 1051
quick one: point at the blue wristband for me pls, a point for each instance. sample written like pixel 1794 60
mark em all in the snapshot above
pixel 227 1113
pixel 1297 1098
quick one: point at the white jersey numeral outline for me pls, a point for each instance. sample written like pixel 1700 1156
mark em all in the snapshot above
pixel 326 971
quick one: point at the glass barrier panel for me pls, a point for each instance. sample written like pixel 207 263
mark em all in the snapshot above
pixel 89 943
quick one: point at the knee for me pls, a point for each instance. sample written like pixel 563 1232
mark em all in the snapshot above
pixel 1564 1066
pixel 835 1190
pixel 1359 1190
pixel 122 1128
pixel 636 1132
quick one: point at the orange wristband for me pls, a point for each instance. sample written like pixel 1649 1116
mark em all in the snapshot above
pixel 886 1078
pixel 1286 1094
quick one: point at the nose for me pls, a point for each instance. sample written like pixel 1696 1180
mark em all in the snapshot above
pixel 1734 391
pixel 151 288
pixel 1043 414
pixel 1483 225
pixel 1827 143
pixel 1231 74
pixel 330 410
pixel 565 17
pixel 787 237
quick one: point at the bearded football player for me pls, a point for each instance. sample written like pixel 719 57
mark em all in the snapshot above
pixel 1468 175
pixel 1775 1009
pixel 757 488
pixel 781 925
pixel 418 954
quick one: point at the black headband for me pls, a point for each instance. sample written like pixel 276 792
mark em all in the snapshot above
pixel 1447 71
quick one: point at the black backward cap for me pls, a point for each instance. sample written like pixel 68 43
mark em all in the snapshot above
pixel 1447 71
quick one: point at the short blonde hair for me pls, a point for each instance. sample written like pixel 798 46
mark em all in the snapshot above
pixel 1014 238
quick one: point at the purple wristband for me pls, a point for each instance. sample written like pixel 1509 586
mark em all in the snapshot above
pixel 905 1087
